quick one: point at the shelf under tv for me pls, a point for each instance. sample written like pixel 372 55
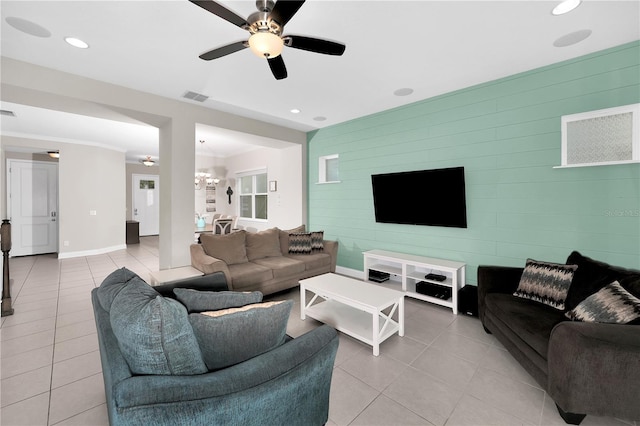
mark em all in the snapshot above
pixel 407 270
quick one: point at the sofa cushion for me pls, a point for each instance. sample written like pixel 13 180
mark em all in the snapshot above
pixel 284 237
pixel 112 284
pixel 591 276
pixel 312 261
pixel 631 284
pixel 317 241
pixel 200 301
pixel 611 304
pixel 263 244
pixel 248 274
pixel 229 248
pixel 282 267
pixel 300 243
pixel 235 335
pixel 545 282
pixel 153 332
pixel 533 322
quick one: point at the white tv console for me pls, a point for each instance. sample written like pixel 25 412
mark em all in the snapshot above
pixel 411 269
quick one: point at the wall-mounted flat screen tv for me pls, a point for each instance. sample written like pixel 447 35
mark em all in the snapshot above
pixel 433 197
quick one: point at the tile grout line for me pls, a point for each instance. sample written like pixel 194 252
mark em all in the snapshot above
pixel 55 332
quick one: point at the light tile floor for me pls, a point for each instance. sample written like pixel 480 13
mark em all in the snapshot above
pixel 445 371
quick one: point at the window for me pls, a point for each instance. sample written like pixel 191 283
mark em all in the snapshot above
pixel 606 136
pixel 252 195
pixel 328 169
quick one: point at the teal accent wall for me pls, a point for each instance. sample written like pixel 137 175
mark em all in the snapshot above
pixel 506 133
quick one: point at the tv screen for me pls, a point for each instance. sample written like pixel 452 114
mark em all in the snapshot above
pixel 427 197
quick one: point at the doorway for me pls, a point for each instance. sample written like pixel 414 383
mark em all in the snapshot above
pixel 32 200
pixel 146 203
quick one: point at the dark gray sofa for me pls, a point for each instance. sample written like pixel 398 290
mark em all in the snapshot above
pixel 288 385
pixel 586 367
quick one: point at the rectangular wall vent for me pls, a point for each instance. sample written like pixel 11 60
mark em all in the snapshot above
pixel 606 136
pixel 195 96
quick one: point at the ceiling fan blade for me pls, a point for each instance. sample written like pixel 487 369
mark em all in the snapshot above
pixel 221 11
pixel 278 68
pixel 224 50
pixel 284 10
pixel 314 45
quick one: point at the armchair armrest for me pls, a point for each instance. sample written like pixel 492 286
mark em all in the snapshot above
pixel 593 368
pixel 296 360
pixel 496 279
pixel 331 247
pixel 207 264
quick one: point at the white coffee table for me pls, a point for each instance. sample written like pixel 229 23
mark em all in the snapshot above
pixel 354 307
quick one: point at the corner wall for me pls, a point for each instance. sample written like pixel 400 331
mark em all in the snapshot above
pixel 90 178
pixel 285 206
pixel 506 134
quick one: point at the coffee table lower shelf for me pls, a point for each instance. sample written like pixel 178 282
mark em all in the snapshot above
pixel 354 322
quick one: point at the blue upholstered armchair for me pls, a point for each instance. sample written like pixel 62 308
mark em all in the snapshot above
pixel 287 385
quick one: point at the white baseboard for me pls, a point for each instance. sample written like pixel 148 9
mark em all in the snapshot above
pixel 70 254
pixel 353 273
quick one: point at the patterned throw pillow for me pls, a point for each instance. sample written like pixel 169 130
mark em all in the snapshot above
pixel 317 244
pixel 300 243
pixel 546 282
pixel 284 237
pixel 612 304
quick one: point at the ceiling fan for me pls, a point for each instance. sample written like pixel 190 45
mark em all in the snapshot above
pixel 266 27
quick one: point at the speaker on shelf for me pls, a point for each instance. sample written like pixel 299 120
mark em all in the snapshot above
pixel 468 300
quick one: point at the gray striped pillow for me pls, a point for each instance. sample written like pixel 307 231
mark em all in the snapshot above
pixel 546 282
pixel 612 304
pixel 300 243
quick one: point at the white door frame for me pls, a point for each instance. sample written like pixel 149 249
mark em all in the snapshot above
pixel 46 222
pixel 146 229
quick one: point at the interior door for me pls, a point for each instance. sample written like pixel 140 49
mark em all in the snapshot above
pixel 146 203
pixel 33 206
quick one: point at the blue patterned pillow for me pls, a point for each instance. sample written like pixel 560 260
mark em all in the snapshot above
pixel 546 282
pixel 612 304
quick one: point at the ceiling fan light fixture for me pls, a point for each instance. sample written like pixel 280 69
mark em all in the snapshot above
pixel 265 44
pixel 76 42
pixel 148 161
pixel 565 6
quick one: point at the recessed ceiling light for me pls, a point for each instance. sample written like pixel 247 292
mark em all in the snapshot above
pixel 76 42
pixel 28 27
pixel 295 111
pixel 565 7
pixel 319 118
pixel 405 91
pixel 572 38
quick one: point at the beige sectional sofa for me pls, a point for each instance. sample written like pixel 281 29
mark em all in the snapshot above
pixel 263 261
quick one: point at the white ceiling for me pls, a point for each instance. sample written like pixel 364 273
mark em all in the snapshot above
pixel 432 47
